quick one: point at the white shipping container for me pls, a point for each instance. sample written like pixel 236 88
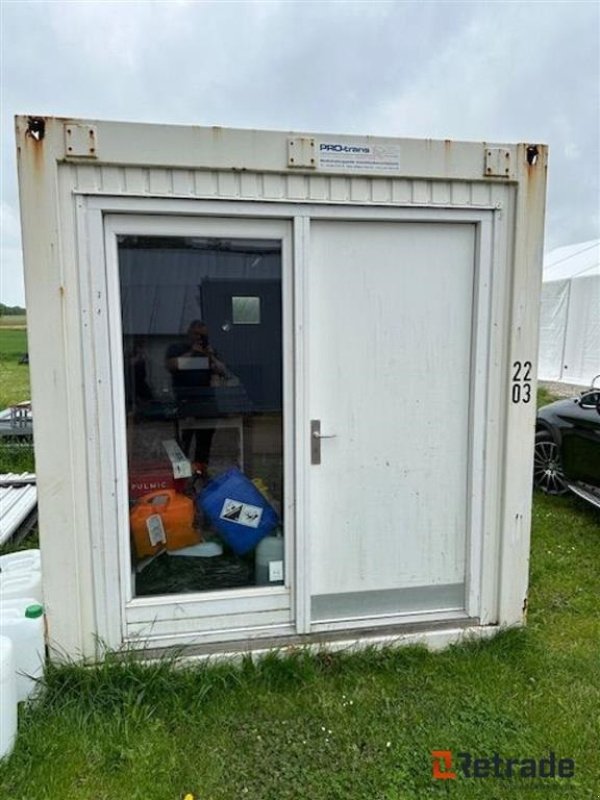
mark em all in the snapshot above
pixel 341 330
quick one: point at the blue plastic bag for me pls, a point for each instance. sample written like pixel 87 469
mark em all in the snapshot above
pixel 240 513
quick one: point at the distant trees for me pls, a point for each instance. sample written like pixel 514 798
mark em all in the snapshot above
pixel 11 311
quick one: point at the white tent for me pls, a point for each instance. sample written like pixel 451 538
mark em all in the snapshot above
pixel 570 314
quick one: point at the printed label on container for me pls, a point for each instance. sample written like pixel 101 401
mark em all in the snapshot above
pixel 275 571
pixel 242 513
pixel 156 530
pixel 358 157
pixel 182 467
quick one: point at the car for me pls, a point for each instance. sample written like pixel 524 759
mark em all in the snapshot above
pixel 567 446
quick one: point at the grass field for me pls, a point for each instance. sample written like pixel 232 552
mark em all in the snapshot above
pixel 14 377
pixel 15 322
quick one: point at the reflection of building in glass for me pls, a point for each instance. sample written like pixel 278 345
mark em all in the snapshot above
pixel 202 337
pixel 234 286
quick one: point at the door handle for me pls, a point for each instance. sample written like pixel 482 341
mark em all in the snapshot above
pixel 315 440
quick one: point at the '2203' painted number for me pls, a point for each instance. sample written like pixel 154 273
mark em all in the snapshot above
pixel 521 382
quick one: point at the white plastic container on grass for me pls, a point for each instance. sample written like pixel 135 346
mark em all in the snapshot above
pixel 21 575
pixel 21 561
pixel 15 584
pixel 22 621
pixel 8 697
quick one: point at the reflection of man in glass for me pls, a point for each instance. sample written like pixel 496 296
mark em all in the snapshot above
pixel 194 363
pixel 194 367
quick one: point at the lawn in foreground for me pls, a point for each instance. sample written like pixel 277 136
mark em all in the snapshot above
pixel 339 726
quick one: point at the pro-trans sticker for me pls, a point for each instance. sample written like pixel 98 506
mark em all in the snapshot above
pixel 365 157
pixel 242 513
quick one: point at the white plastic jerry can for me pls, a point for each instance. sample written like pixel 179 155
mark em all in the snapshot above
pixel 22 621
pixel 21 575
pixel 16 584
pixel 8 697
pixel 21 561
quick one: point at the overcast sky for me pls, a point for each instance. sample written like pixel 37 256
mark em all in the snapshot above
pixel 495 71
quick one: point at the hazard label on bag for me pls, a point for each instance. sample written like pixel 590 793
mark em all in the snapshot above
pixel 242 513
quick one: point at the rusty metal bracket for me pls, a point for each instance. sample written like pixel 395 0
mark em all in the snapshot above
pixel 81 141
pixel 301 153
pixel 497 163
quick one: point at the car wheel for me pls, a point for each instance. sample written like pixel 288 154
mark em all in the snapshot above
pixel 548 473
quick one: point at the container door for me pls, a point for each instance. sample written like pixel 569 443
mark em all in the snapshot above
pixel 389 338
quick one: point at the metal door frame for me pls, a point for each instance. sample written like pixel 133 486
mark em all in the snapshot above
pixel 97 252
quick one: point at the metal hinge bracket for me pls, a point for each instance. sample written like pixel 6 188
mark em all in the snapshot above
pixel 497 163
pixel 81 141
pixel 302 153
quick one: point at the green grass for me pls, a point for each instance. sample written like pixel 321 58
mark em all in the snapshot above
pixel 16 458
pixel 338 726
pixel 14 377
pixel 544 397
pixel 14 387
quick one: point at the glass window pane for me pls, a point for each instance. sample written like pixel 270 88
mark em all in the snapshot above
pixel 245 310
pixel 204 411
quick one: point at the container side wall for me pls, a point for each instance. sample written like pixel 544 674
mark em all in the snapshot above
pixel 51 299
pixel 521 381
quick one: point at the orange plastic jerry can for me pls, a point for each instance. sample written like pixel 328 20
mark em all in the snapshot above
pixel 163 520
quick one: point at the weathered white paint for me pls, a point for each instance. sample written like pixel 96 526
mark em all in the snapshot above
pixel 194 176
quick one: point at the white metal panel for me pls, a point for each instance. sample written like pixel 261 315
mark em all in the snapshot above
pixel 228 638
pixel 186 624
pixel 302 376
pixel 132 144
pixel 353 190
pixel 164 607
pixel 526 226
pixel 390 377
pixel 102 458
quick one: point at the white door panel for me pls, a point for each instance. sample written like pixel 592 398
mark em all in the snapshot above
pixel 389 339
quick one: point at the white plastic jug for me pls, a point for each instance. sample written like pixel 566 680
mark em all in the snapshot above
pixel 8 698
pixel 268 561
pixel 17 583
pixel 22 621
pixel 22 561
